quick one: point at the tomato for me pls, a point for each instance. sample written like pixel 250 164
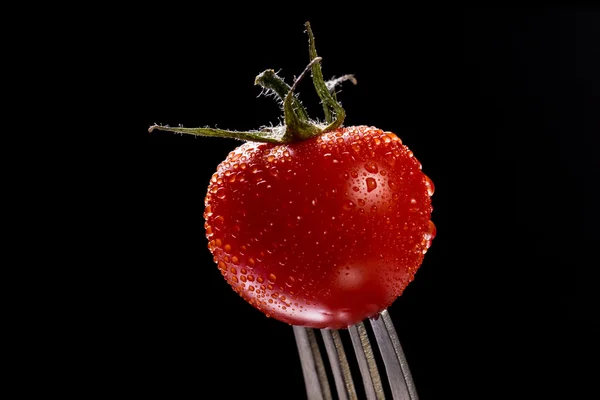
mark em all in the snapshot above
pixel 321 233
pixel 317 224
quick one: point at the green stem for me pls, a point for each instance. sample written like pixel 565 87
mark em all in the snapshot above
pixel 328 100
pixel 295 127
pixel 317 72
pixel 332 83
pixel 267 135
pixel 270 80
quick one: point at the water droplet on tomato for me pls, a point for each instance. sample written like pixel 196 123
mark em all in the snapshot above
pixel 272 278
pixel 393 185
pixel 270 158
pixel 354 174
pixel 219 220
pixel 429 185
pixel 260 279
pixel 430 234
pixel 348 205
pixel 374 209
pixel 235 260
pixel 361 202
pixel 251 278
pixel 233 271
pixel 371 167
pixel 227 248
pixel 371 184
pixel 251 262
pixel 390 160
pixel 355 188
pixel 289 282
pixel 393 137
pixel 222 265
pixel 355 147
pixel 218 242
pixel 243 278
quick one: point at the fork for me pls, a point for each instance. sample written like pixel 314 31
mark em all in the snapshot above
pixel 399 378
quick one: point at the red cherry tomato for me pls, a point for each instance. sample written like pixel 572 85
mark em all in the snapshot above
pixel 324 232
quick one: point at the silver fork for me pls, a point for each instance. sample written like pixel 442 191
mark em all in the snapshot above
pixel 400 381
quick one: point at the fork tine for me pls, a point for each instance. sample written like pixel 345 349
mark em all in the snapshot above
pixel 339 365
pixel 394 360
pixel 366 362
pixel 313 369
pixel 389 324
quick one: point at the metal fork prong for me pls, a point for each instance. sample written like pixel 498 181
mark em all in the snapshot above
pixel 390 358
pixel 389 324
pixel 339 365
pixel 366 362
pixel 313 369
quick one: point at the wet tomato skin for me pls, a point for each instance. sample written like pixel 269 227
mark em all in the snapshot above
pixel 324 232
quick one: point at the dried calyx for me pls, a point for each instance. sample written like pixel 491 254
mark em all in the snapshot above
pixel 298 126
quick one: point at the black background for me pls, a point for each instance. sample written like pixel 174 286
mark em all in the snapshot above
pixel 502 108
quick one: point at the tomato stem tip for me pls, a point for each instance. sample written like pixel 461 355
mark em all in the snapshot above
pixel 269 80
